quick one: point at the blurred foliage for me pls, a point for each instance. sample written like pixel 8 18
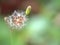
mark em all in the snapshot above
pixel 39 30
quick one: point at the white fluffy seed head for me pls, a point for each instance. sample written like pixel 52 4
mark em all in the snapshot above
pixel 16 20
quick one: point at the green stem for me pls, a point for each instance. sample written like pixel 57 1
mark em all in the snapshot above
pixel 11 37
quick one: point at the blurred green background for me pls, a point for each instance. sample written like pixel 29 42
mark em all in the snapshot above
pixel 42 27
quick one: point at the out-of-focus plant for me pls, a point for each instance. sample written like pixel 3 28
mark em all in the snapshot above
pixel 15 33
pixel 40 30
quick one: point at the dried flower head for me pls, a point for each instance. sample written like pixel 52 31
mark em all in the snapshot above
pixel 16 20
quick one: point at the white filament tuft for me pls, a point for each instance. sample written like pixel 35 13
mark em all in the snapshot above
pixel 16 20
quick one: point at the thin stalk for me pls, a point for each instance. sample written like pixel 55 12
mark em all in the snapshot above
pixel 11 37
